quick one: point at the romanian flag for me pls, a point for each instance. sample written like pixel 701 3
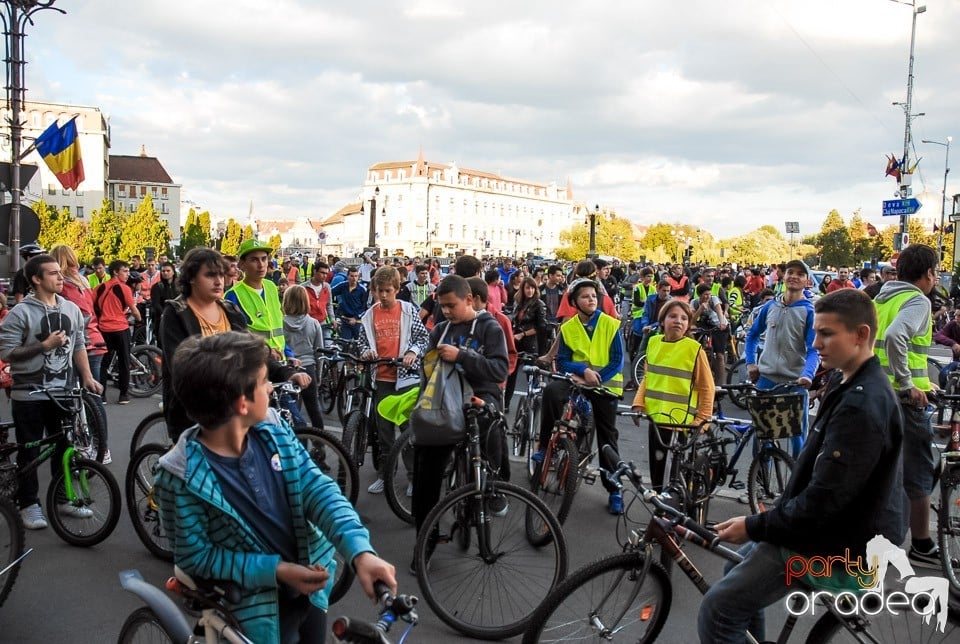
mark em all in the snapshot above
pixel 60 149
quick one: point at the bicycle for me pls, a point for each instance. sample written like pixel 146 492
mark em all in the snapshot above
pixel 627 596
pixel 152 429
pixel 146 370
pixel 161 621
pixel 11 531
pixel 392 608
pixel 83 498
pixel 948 512
pixel 568 453
pixel 358 413
pixel 479 531
pixel 526 424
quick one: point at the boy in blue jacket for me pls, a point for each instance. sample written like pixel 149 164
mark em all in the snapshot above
pixel 241 500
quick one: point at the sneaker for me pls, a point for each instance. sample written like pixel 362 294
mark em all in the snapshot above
pixel 107 457
pixel 33 518
pixel 376 487
pixel 744 498
pixel 928 559
pixel 630 386
pixel 615 503
pixel 77 512
pixel 498 505
pixel 409 489
pixel 538 457
pixel 124 399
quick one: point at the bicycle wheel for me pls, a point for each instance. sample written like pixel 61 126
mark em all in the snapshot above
pixel 11 544
pixel 142 505
pixel 143 626
pixel 90 428
pixel 398 478
pixel 888 627
pixel 152 429
pixel 93 515
pixel 354 436
pixel 555 483
pixel 767 479
pixel 146 370
pixel 737 375
pixel 640 368
pixel 949 530
pixel 490 589
pixel 518 434
pixel 698 478
pixel 329 454
pixel 605 600
pixel 326 387
pixel 347 383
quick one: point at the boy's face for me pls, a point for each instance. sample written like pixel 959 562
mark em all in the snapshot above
pixel 257 408
pixel 386 295
pixel 586 300
pixel 255 263
pixel 457 309
pixel 207 286
pixel 422 276
pixel 49 279
pixel 352 278
pixel 839 346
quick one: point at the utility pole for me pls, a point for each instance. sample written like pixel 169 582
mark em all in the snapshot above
pixel 908 117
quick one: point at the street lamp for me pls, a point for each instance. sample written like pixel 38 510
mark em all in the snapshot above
pixel 593 230
pixel 15 17
pixel 516 232
pixel 372 235
pixel 943 203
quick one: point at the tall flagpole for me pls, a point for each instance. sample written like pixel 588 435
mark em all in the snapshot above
pixel 18 14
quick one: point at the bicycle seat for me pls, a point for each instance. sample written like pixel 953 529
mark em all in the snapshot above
pixel 211 590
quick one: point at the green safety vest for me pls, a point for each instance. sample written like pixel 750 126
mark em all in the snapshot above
pixel 917 347
pixel 266 317
pixel 670 396
pixel 95 281
pixel 735 300
pixel 306 272
pixel 646 290
pixel 595 352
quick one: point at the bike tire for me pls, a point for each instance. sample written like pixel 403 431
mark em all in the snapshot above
pixel 152 429
pixel 556 486
pixel 97 491
pixel 397 479
pixel 769 472
pixel 640 368
pixel 511 584
pixel 948 533
pixel 11 544
pixel 566 612
pixel 699 480
pixel 326 387
pixel 333 459
pixel 143 625
pixel 354 437
pixel 886 627
pixel 145 381
pixel 737 375
pixel 90 429
pixel 518 433
pixel 141 503
pixel 347 384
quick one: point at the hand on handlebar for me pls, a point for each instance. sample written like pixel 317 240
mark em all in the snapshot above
pixel 371 568
pixel 590 377
pixel 91 385
pixel 753 372
pixel 804 382
pixel 733 530
pixel 636 419
pixel 369 354
pixel 301 379
pixel 916 397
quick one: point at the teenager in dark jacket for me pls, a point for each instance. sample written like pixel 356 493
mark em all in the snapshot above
pixel 165 289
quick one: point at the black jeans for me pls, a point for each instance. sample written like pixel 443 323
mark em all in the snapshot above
pixel 118 344
pixel 309 396
pixel 429 464
pixel 556 394
pixel 34 419
pixel 381 429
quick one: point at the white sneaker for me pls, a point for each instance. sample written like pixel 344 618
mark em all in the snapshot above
pixel 74 511
pixel 376 487
pixel 409 489
pixel 107 457
pixel 744 498
pixel 33 518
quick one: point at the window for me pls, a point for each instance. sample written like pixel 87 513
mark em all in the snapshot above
pixel 143 191
pixel 123 190
pixel 163 193
pixel 399 229
pixel 386 229
pixel 153 190
pixel 79 212
pixel 51 189
pixel 133 190
pixel 79 192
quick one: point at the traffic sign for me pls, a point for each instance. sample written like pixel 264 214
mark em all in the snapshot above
pixel 897 207
pixel 322 236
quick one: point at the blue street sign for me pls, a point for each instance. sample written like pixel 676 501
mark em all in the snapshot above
pixel 901 207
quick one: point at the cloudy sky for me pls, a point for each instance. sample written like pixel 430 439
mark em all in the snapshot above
pixel 721 114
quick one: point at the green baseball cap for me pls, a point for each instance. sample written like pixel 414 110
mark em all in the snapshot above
pixel 250 245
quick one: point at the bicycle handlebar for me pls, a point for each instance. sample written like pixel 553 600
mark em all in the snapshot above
pixel 393 607
pixel 534 370
pixel 57 394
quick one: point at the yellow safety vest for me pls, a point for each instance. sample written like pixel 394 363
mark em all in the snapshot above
pixel 735 300
pixel 917 347
pixel 594 352
pixel 646 290
pixel 670 396
pixel 266 317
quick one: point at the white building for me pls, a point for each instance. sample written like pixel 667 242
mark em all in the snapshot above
pixel 93 128
pixel 132 178
pixel 426 208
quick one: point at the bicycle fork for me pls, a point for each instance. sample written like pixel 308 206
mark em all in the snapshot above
pixel 69 491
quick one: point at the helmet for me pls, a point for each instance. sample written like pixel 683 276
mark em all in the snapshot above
pixel 134 278
pixel 577 285
pixel 31 249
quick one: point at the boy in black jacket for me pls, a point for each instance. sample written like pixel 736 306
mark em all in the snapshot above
pixel 846 488
pixel 483 356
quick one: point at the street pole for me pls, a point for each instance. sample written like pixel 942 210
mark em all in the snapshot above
pixel 372 235
pixel 905 187
pixel 593 230
pixel 943 202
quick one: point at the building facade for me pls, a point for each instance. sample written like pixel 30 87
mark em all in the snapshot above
pixel 432 209
pixel 93 128
pixel 132 178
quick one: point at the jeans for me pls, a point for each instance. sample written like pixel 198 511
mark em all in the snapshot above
pixel 310 400
pixel 34 419
pixel 118 344
pixel 384 431
pixel 349 331
pixel 736 602
pixel 796 443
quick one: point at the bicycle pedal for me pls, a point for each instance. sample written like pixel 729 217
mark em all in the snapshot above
pixel 738 485
pixel 590 476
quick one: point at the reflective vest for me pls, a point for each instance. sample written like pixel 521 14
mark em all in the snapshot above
pixel 594 352
pixel 670 396
pixel 266 317
pixel 917 347
pixel 679 289
pixel 735 300
pixel 645 291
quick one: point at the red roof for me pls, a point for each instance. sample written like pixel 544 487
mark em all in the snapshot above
pixel 141 169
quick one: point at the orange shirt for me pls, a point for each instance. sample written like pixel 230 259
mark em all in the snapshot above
pixel 114 298
pixel 386 328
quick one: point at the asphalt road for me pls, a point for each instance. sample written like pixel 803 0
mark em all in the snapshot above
pixel 68 594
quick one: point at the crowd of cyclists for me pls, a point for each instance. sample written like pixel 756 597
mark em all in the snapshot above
pixel 592 319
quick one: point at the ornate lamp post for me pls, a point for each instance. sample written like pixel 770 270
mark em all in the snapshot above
pixel 16 15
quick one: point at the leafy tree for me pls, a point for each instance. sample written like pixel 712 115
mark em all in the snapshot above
pixel 231 238
pixel 836 248
pixel 275 242
pixel 614 236
pixel 53 224
pixel 143 228
pixel 193 233
pixel 673 238
pixel 248 233
pixel 204 222
pixel 103 238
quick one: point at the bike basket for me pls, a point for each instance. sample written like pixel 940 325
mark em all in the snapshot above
pixel 8 479
pixel 776 415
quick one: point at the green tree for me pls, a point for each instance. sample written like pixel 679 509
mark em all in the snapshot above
pixel 836 247
pixel 275 242
pixel 103 236
pixel 231 238
pixel 765 245
pixel 248 233
pixel 204 223
pixel 673 238
pixel 53 225
pixel 614 236
pixel 143 229
pixel 193 233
